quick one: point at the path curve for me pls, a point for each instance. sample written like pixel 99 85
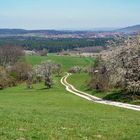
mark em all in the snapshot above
pixel 89 97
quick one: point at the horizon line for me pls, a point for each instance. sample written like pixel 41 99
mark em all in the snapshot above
pixel 70 29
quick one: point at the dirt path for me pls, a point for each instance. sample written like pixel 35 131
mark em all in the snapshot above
pixel 86 96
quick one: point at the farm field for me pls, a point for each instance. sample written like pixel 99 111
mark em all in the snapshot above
pixel 55 114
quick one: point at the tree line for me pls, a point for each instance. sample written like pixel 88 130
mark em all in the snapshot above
pixel 53 45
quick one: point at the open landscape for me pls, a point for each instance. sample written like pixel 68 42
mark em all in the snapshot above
pixel 41 113
pixel 69 70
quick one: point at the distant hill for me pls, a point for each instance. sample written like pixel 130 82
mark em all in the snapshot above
pixel 12 31
pixel 22 31
pixel 15 32
pixel 130 29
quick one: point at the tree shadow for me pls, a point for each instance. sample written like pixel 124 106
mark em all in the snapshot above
pixel 45 88
pixel 121 96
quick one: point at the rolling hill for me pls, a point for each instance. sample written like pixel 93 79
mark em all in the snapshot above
pixel 130 29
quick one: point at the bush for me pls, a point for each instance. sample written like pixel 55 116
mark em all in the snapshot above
pixel 75 69
pixel 100 78
pixel 20 70
pixel 119 67
pixel 5 79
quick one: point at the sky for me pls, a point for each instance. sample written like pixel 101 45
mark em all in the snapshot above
pixel 69 14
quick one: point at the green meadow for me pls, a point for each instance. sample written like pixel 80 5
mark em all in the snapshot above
pixel 66 61
pixel 55 114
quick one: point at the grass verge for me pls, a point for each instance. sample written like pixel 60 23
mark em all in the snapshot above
pixel 81 80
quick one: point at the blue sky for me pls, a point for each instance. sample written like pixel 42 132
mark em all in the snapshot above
pixel 68 14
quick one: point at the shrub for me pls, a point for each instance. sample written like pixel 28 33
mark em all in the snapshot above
pixel 100 78
pixel 20 70
pixel 5 79
pixel 119 67
pixel 75 69
pixel 57 69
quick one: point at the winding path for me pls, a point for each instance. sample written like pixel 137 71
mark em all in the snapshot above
pixel 86 96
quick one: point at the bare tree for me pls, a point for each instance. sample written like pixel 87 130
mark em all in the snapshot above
pixel 9 55
pixel 21 70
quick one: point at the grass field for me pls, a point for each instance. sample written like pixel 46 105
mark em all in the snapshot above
pixel 55 114
pixel 66 61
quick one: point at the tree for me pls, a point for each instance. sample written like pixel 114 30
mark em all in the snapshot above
pixel 29 80
pixel 75 69
pixel 39 74
pixel 45 72
pixel 121 67
pixel 6 80
pixel 43 52
pixel 3 77
pixel 47 69
pixel 58 69
pixel 21 70
pixel 9 55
